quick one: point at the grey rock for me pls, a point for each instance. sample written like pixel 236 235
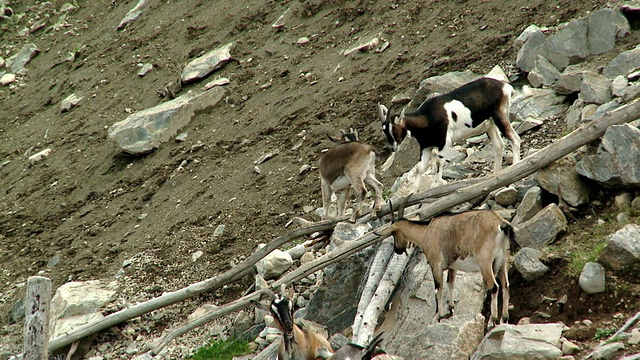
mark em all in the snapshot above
pixel 69 102
pixel 441 84
pixel 543 74
pixel 526 125
pixel 528 54
pixel 521 342
pixel 619 85
pixel 542 229
pixel 144 131
pixel 334 304
pixel 560 178
pixel 132 15
pixel 7 79
pixel 207 63
pixel 617 161
pixel 623 201
pixel 540 104
pixel 525 35
pixel 78 303
pixel 623 64
pixel 595 88
pixel 630 93
pixel 241 324
pixel 592 278
pixel 569 81
pixel 274 264
pixel 144 69
pixel 16 314
pixel 18 61
pixel 622 218
pixel 573 118
pixel 507 196
pixel 568 46
pixel 530 205
pixel 569 348
pixel 527 262
pixel 507 214
pixel 604 27
pixel 337 341
pixel 622 249
pixel 415 303
pixel 608 351
pixel 635 204
pixel 602 109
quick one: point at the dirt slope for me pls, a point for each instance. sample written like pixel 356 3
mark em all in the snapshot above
pixel 89 208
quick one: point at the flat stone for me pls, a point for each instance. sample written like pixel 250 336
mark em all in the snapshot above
pixel 22 58
pixel 542 229
pixel 207 63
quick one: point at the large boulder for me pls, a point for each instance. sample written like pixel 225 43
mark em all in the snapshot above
pixel 542 229
pixel 274 264
pixel 527 262
pixel 144 131
pixel 407 327
pixel 623 248
pixel 568 46
pixel 528 53
pixel 529 206
pixel 604 27
pixel 592 278
pixel 521 342
pixel 623 64
pixel 617 161
pixel 560 178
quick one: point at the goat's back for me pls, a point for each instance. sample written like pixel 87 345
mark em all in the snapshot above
pixel 333 163
pixel 469 232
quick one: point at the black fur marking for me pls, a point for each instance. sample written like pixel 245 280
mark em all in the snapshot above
pixel 454 116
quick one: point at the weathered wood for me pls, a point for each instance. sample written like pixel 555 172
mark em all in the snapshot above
pixel 36 324
pixel 480 187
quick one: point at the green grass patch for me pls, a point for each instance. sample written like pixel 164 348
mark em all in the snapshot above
pixel 222 350
pixel 580 257
pixel 602 334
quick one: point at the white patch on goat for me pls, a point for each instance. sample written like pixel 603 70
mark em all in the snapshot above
pixel 342 182
pixel 462 127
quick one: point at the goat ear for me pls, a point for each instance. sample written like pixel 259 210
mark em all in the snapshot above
pixel 382 112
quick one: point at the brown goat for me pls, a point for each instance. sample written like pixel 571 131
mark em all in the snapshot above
pixel 473 241
pixel 297 343
pixel 349 165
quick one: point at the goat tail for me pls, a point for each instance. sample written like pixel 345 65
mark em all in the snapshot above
pixel 507 230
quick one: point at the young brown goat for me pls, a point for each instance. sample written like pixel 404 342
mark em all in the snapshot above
pixel 297 343
pixel 350 164
pixel 473 241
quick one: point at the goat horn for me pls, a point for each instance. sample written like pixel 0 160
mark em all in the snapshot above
pixel 391 211
pixel 404 203
pixel 283 290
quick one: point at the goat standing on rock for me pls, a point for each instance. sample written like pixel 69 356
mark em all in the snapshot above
pixel 350 164
pixel 472 241
pixel 481 106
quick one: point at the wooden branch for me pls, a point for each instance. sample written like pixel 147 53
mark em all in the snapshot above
pixel 36 323
pixel 270 352
pixel 624 328
pixel 245 267
pixel 237 304
pixel 480 187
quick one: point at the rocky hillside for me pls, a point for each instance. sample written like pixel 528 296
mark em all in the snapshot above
pixel 86 210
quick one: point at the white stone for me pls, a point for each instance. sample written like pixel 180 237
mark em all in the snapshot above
pixel 274 264
pixel 635 337
pixel 7 79
pixel 592 278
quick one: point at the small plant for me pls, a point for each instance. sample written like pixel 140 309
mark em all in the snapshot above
pixel 602 334
pixel 580 257
pixel 222 350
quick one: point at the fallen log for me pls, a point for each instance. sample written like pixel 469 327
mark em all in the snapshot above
pixel 459 194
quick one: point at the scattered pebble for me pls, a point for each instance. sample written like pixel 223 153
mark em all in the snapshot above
pixel 7 79
pixel 303 40
pixel 145 69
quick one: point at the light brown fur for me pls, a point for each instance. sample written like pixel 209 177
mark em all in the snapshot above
pixel 345 166
pixel 481 234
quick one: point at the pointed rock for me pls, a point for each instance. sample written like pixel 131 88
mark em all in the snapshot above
pixel 207 63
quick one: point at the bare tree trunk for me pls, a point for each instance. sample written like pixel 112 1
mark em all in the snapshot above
pixel 36 323
pixel 480 187
pixel 376 271
pixel 387 284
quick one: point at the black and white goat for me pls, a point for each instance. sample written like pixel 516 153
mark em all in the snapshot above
pixel 481 106
pixel 472 241
pixel 297 343
pixel 350 164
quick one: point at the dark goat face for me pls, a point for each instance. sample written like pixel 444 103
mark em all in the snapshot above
pixel 282 309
